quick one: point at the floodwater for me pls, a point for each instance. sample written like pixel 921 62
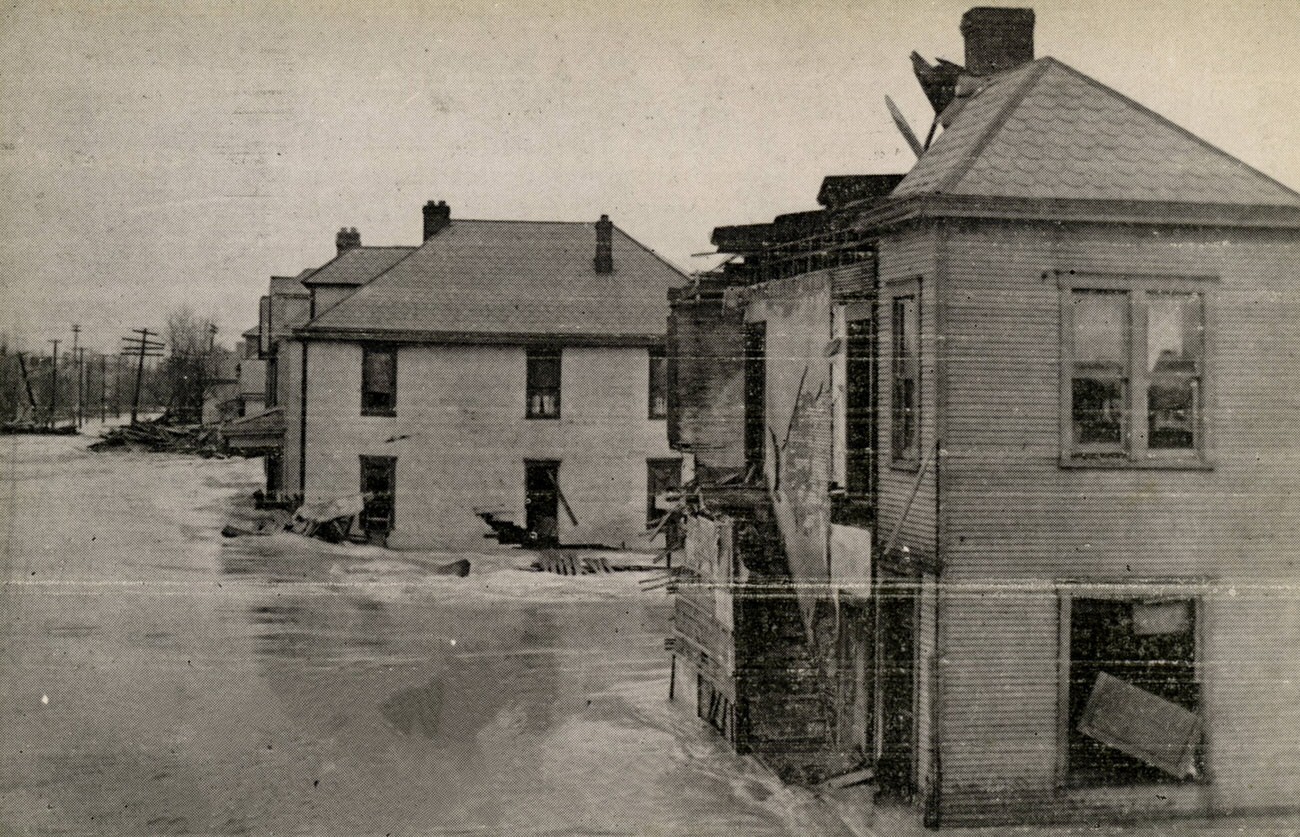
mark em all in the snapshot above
pixel 156 678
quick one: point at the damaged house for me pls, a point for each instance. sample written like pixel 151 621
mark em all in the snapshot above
pixel 503 377
pixel 996 480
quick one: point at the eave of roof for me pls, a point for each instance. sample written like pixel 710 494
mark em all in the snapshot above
pixel 479 338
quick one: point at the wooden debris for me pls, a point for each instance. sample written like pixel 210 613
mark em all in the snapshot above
pixel 569 562
pixel 159 436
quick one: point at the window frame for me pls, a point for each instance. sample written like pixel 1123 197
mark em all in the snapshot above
pixel 905 457
pixel 534 354
pixel 658 355
pixel 1134 450
pixel 368 349
pixel 1194 591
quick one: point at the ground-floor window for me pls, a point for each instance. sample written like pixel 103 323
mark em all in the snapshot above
pixel 663 480
pixel 378 484
pixel 1132 699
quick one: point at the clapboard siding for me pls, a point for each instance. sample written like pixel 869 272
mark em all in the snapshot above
pixel 1015 521
pixel 908 256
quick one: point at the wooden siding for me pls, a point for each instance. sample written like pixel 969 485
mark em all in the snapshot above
pixel 1015 520
pixel 903 258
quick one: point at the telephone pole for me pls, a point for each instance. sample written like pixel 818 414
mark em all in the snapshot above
pixel 76 368
pixel 83 386
pixel 144 347
pixel 103 379
pixel 54 383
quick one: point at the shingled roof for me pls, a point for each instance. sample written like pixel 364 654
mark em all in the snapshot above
pixel 494 280
pixel 1045 131
pixel 357 265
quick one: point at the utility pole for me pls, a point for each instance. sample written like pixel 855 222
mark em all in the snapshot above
pixel 145 348
pixel 76 368
pixel 103 381
pixel 117 385
pixel 83 386
pixel 54 383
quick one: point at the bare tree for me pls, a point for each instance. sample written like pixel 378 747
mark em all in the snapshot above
pixel 189 339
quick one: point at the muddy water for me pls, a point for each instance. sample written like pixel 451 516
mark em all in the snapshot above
pixel 158 679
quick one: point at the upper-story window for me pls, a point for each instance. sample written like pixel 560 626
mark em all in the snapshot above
pixel 1134 384
pixel 658 383
pixel 378 380
pixel 543 384
pixel 906 374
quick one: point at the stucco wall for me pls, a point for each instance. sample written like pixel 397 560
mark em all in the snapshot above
pixel 461 438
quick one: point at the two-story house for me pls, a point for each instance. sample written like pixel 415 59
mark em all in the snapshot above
pixel 1028 467
pixel 510 371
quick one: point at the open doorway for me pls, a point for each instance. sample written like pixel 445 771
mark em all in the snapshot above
pixel 542 501
pixel 896 609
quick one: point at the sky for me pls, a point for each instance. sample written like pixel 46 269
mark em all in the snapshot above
pixel 162 154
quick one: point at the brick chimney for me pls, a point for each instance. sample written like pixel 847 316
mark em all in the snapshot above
pixel 997 39
pixel 436 216
pixel 347 239
pixel 604 260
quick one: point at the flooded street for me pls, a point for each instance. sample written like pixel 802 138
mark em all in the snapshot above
pixel 156 678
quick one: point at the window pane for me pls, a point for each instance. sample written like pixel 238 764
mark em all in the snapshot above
pixel 1098 411
pixel 906 353
pixel 1101 328
pixel 658 383
pixel 379 371
pixel 1174 341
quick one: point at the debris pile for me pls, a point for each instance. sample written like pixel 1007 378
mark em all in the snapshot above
pixel 569 562
pixel 160 436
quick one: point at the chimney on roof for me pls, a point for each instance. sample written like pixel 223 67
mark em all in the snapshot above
pixel 347 239
pixel 436 216
pixel 997 39
pixel 604 260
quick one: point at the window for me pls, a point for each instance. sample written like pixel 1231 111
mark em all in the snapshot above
pixel 663 478
pixel 1135 370
pixel 378 380
pixel 1131 699
pixel 543 383
pixel 906 372
pixel 658 383
pixel 378 484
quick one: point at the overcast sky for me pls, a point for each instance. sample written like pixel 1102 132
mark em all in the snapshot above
pixel 160 153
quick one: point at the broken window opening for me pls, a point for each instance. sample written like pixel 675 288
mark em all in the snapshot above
pixel 543 385
pixel 663 484
pixel 658 383
pixel 1133 692
pixel 378 380
pixel 906 369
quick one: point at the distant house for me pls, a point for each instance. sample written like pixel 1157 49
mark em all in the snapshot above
pixel 505 374
pixel 289 303
pixel 999 469
pixel 251 374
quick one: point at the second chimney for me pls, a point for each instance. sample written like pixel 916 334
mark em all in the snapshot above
pixel 347 239
pixel 604 260
pixel 997 39
pixel 436 216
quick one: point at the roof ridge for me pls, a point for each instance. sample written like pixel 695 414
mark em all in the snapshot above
pixel 1168 123
pixel 994 126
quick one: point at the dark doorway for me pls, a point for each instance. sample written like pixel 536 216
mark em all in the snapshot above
pixel 856 666
pixel 860 399
pixel 274 473
pixel 378 483
pixel 542 501
pixel 896 662
pixel 755 396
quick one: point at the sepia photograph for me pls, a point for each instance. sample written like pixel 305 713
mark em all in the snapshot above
pixel 556 417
